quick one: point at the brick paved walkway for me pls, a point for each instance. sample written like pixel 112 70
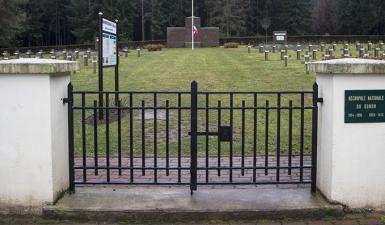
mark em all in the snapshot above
pixel 211 175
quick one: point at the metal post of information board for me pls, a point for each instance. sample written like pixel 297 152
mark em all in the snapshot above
pixel 100 61
pixel 117 65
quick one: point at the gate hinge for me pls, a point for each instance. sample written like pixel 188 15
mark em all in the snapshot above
pixel 320 100
pixel 65 100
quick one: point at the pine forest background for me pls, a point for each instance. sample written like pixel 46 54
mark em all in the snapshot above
pixel 61 22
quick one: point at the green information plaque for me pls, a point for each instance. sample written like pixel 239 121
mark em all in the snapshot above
pixel 364 106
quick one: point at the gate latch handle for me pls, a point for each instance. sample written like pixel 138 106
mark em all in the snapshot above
pixel 225 133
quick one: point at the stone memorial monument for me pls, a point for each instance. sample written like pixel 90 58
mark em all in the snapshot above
pixel 180 37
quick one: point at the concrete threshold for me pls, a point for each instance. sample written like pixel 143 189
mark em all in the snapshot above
pixel 175 204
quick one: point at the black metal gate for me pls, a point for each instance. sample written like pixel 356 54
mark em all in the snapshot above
pixel 193 137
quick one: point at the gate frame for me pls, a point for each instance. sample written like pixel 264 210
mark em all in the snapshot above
pixel 194 135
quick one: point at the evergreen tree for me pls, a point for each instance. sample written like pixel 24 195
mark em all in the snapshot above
pixel 82 21
pixel 58 22
pixel 46 23
pixel 32 31
pixel 324 16
pixel 371 16
pixel 360 17
pixel 293 16
pixel 253 13
pixel 348 21
pixel 125 12
pixel 11 19
pixel 159 18
pixel 229 16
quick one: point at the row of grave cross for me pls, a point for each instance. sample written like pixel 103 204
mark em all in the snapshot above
pixel 65 55
pixel 372 50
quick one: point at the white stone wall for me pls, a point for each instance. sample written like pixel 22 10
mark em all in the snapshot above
pixel 33 131
pixel 25 140
pixel 325 134
pixel 351 156
pixel 59 131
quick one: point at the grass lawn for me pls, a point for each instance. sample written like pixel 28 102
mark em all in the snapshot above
pixel 215 69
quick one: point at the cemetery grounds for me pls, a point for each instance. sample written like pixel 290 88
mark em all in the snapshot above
pixel 215 69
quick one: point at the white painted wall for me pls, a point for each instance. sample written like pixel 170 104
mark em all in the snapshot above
pixel 33 138
pixel 59 132
pixel 325 134
pixel 351 157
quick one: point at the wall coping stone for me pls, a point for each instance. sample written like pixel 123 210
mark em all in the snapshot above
pixel 37 66
pixel 348 66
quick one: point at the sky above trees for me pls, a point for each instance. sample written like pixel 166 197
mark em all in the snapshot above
pixel 58 22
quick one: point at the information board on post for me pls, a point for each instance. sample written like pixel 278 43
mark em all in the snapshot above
pixel 364 106
pixel 109 43
pixel 108 55
pixel 109 50
pixel 109 26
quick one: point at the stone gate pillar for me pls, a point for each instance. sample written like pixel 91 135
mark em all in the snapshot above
pixel 33 131
pixel 351 129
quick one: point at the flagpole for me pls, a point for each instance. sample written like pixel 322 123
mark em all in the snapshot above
pixel 192 24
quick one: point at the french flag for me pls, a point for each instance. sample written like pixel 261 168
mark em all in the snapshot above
pixel 195 31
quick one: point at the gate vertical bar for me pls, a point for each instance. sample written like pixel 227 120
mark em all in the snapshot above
pixel 301 147
pixel 71 154
pixel 278 137
pixel 314 139
pixel 267 138
pixel 231 140
pixel 243 139
pixel 131 140
pixel 219 142
pixel 155 140
pixel 119 104
pixel 108 137
pixel 194 136
pixel 207 137
pixel 84 145
pixel 96 163
pixel 290 141
pixel 167 139
pixel 143 138
pixel 255 139
pixel 179 137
